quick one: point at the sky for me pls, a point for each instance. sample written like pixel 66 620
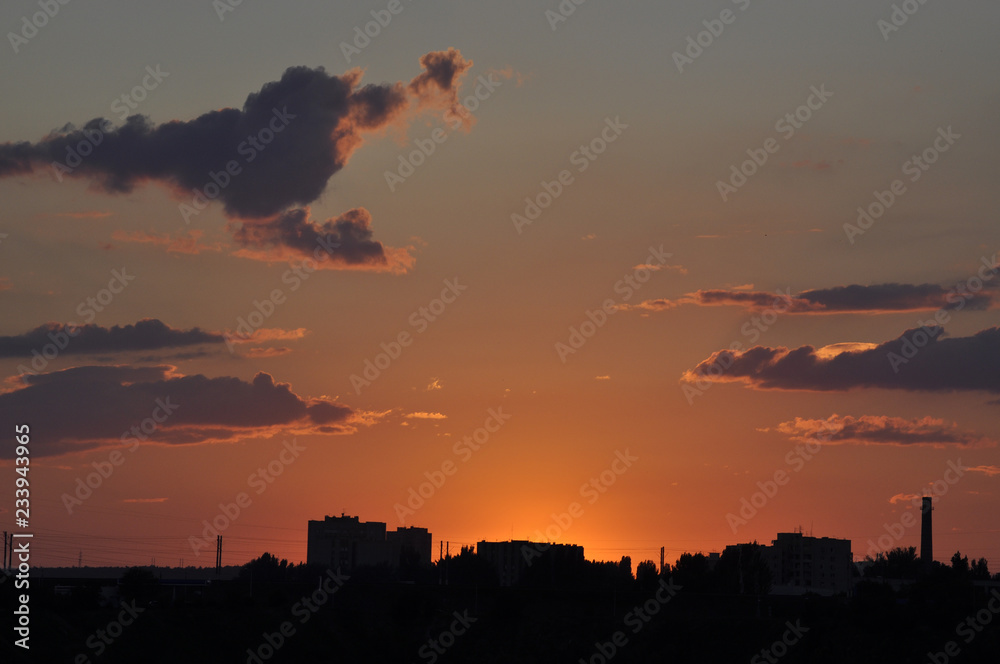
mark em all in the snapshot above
pixel 626 275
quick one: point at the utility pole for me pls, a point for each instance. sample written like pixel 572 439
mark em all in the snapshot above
pixel 661 560
pixel 218 556
pixel 4 563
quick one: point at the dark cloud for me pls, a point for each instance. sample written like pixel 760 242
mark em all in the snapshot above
pixel 314 120
pixel 343 242
pixel 89 406
pixel 749 299
pixel 438 85
pixel 280 148
pixel 883 430
pixel 891 297
pixel 147 334
pixel 920 359
pixel 852 299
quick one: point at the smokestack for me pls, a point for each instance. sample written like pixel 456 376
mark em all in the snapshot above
pixel 926 537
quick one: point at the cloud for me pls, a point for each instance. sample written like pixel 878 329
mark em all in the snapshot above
pixel 145 500
pixel 883 430
pixel 888 298
pixel 91 406
pixel 147 334
pixel 852 299
pixel 904 498
pixel 92 214
pixel 919 360
pixel 435 384
pixel 602 377
pixel 289 138
pixel 680 269
pixel 262 161
pixel 986 470
pixel 437 86
pixel 420 415
pixel 5 284
pixel 257 353
pixel 179 244
pixel 265 334
pixel 344 242
pixel 659 304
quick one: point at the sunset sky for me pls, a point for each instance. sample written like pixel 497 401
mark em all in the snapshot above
pixel 588 263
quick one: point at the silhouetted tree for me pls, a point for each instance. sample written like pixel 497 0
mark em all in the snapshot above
pixel 266 568
pixel 742 569
pixel 626 566
pixel 981 570
pixel 468 568
pixel 646 575
pixel 960 565
pixel 691 572
pixel 139 584
pixel 898 563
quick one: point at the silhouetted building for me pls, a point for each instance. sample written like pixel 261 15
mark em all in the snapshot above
pixel 346 543
pixel 926 535
pixel 411 541
pixel 511 559
pixel 801 564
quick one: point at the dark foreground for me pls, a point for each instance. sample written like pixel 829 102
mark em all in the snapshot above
pixel 364 620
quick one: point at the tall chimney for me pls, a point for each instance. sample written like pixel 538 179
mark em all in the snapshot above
pixel 926 537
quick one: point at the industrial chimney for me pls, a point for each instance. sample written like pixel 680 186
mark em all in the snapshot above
pixel 926 537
